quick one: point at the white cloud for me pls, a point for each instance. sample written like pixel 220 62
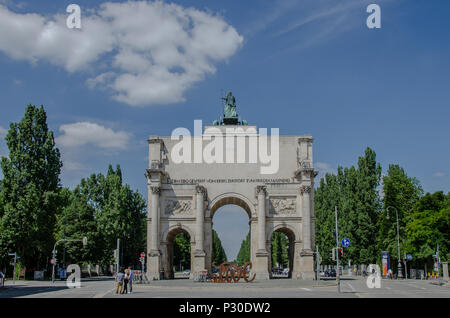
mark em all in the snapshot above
pixel 3 132
pixel 157 51
pixel 324 167
pixel 84 133
pixel 439 174
pixel 74 166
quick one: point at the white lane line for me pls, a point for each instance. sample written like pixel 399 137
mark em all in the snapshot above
pixel 351 287
pixel 388 287
pixel 307 289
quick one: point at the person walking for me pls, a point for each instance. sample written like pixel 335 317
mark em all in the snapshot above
pixel 2 279
pixel 125 281
pixel 119 280
pixel 130 279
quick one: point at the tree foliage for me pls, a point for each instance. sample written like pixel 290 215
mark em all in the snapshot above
pixel 104 209
pixel 244 251
pixel 30 189
pixel 400 194
pixel 354 192
pixel 218 255
pixel 280 247
pixel 428 226
pixel 182 251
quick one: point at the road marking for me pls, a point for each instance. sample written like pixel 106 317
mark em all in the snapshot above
pixel 351 287
pixel 388 287
pixel 307 289
pixel 101 295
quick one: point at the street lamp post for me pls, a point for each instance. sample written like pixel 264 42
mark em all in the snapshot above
pixel 399 266
pixel 84 240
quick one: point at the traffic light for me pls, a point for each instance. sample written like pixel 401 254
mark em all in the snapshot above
pixel 333 254
pixel 341 252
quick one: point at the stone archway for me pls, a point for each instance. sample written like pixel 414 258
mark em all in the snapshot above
pixel 168 252
pixel 230 198
pixel 292 236
pixel 185 196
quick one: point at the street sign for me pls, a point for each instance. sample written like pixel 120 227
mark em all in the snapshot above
pixel 409 257
pixel 345 242
pixel 52 261
pixel 142 254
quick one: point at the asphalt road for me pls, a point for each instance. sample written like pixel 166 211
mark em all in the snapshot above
pixel 279 288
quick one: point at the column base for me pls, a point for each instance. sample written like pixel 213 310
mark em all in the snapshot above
pixel 199 261
pixel 307 265
pixel 261 268
pixel 154 265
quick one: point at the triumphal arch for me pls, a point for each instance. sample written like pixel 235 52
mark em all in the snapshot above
pixel 191 175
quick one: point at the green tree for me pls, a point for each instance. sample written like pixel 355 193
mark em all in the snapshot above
pixel 354 192
pixel 401 193
pixel 182 251
pixel 218 255
pixel 280 245
pixel 30 189
pixel 104 209
pixel 429 225
pixel 244 251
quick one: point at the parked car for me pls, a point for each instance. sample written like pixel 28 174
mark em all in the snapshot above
pixel 187 272
pixel 331 272
pixel 277 271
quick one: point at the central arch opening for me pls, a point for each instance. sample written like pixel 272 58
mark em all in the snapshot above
pixel 179 258
pixel 231 231
pixel 282 252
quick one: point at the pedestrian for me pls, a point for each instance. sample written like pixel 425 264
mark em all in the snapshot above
pixel 130 279
pixel 119 280
pixel 390 273
pixel 125 281
pixel 2 279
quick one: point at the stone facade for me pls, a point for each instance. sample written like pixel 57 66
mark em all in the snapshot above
pixel 185 196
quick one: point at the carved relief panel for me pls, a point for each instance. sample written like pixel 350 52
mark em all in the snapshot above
pixel 178 207
pixel 282 206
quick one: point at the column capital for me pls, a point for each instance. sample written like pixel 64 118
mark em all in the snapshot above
pixel 201 190
pixel 261 189
pixel 305 189
pixel 155 189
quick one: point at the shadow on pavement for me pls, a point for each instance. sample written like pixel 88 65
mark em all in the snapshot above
pixel 18 290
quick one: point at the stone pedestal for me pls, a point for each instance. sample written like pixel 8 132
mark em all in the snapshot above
pixel 307 265
pixel 199 261
pixel 261 268
pixel 154 265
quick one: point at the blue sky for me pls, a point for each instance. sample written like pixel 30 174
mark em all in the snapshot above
pixel 306 67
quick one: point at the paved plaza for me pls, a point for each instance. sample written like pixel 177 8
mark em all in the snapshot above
pixel 279 288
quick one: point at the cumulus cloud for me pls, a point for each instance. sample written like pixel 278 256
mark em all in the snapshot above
pixel 324 167
pixel 3 132
pixel 154 51
pixel 84 133
pixel 439 174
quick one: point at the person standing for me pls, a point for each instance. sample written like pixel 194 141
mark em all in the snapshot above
pixel 2 279
pixel 119 280
pixel 130 279
pixel 125 281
